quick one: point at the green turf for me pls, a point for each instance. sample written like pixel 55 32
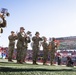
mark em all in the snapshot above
pixel 29 69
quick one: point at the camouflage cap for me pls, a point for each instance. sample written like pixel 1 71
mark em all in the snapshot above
pixel 37 33
pixel 12 32
pixel 53 39
pixel 44 37
pixel 22 28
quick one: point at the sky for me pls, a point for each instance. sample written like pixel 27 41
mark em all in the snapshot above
pixel 52 18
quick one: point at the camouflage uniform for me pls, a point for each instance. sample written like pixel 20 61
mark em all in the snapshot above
pixel 20 47
pixel 52 52
pixel 45 52
pixel 27 40
pixel 35 48
pixel 11 46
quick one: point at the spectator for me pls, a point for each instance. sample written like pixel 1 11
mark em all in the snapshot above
pixel 69 62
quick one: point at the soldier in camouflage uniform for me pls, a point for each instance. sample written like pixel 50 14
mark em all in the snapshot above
pixel 52 51
pixel 12 39
pixel 36 39
pixel 20 45
pixel 45 50
pixel 27 40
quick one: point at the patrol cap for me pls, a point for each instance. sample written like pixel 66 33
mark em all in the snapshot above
pixel 12 32
pixel 22 28
pixel 44 37
pixel 37 33
pixel 53 38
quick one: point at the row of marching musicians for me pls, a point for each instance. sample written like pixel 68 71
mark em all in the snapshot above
pixel 22 45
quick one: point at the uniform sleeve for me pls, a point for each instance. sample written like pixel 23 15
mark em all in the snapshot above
pixel 15 37
pixel 45 46
pixel 33 39
pixel 41 39
pixel 53 45
pixel 10 37
pixel 20 37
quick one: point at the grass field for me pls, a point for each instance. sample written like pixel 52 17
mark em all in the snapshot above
pixel 7 68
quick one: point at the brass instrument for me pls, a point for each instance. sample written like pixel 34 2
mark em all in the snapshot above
pixel 49 46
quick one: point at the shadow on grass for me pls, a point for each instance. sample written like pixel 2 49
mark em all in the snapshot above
pixel 7 69
pixel 6 62
pixel 13 63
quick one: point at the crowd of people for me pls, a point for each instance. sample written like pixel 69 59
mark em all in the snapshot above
pixel 22 44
